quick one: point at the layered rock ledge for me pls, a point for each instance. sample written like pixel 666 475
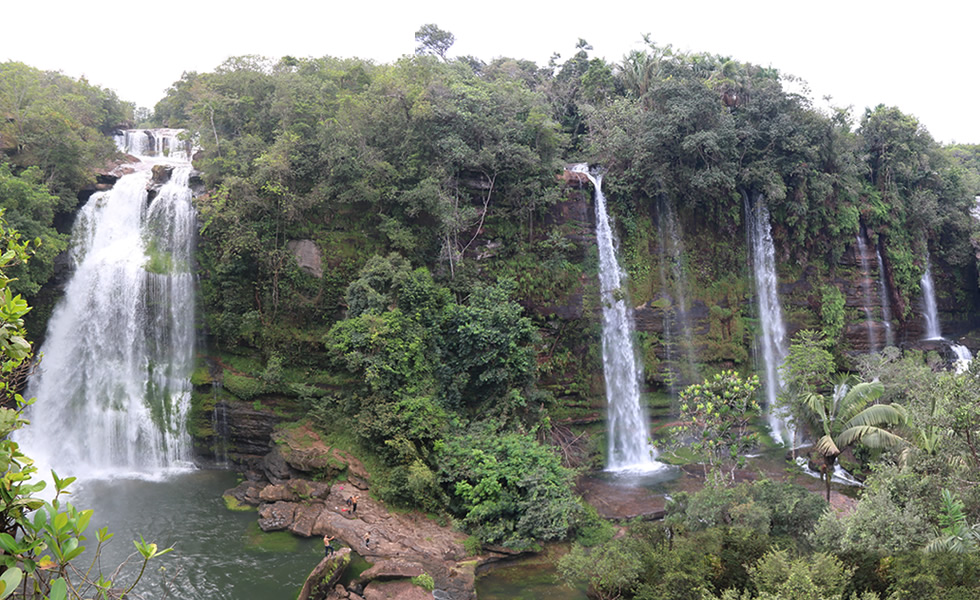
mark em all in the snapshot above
pixel 401 545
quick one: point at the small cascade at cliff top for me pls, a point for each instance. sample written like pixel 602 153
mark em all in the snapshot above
pixel 628 430
pixel 113 386
pixel 772 337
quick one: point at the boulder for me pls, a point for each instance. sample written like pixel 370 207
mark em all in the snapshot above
pixel 325 576
pixel 305 454
pixel 392 569
pixel 307 256
pixel 396 590
pixel 277 516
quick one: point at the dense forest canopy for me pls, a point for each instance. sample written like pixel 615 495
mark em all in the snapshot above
pixel 436 336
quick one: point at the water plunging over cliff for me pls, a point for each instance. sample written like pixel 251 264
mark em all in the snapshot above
pixel 862 256
pixel 933 329
pixel 678 329
pixel 628 431
pixel 886 305
pixel 772 337
pixel 930 312
pixel 114 383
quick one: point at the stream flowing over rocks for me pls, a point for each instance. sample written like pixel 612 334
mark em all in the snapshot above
pixel 286 488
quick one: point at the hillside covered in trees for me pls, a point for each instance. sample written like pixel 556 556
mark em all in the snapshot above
pixel 396 254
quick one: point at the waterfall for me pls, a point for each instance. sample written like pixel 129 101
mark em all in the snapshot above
pixel 113 386
pixel 930 312
pixel 862 252
pixel 886 305
pixel 772 342
pixel 629 445
pixel 672 256
pixel 962 354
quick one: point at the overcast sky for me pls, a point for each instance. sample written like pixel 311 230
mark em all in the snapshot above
pixel 920 57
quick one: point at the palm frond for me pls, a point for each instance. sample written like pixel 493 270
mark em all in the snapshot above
pixel 817 405
pixel 878 414
pixel 869 435
pixel 826 446
pixel 859 396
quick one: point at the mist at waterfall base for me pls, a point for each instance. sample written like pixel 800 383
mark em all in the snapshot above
pixel 113 392
pixel 628 429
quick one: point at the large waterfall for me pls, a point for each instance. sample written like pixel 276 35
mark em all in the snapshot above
pixel 772 335
pixel 113 388
pixel 628 431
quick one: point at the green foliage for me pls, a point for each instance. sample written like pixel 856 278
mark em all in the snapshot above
pixel 58 125
pixel 29 208
pixel 716 415
pixel 766 507
pixel 433 40
pixel 813 577
pixel 955 534
pixel 832 312
pixel 424 581
pixel 612 570
pixel 508 489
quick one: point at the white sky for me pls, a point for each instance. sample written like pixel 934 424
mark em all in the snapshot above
pixel 920 57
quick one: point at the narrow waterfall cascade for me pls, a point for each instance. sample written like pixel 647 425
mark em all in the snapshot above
pixel 113 386
pixel 678 328
pixel 772 345
pixel 963 358
pixel 930 311
pixel 933 329
pixel 862 256
pixel 886 305
pixel 628 430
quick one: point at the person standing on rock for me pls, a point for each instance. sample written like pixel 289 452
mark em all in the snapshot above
pixel 327 546
pixel 353 504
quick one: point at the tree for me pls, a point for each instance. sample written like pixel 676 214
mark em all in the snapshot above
pixel 716 415
pixel 507 488
pixel 851 416
pixel 433 40
pixel 808 367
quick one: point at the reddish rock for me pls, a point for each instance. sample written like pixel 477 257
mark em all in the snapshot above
pixel 395 590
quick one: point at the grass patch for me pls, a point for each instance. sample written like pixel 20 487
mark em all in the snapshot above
pixel 257 540
pixel 232 503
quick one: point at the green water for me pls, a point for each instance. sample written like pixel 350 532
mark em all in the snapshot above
pixel 219 554
pixel 530 580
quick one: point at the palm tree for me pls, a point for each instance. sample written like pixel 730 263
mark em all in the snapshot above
pixel 851 416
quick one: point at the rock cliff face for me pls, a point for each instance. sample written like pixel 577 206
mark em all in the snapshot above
pixel 721 324
pixel 291 493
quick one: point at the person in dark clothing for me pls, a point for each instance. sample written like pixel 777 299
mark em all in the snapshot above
pixel 327 546
pixel 353 504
